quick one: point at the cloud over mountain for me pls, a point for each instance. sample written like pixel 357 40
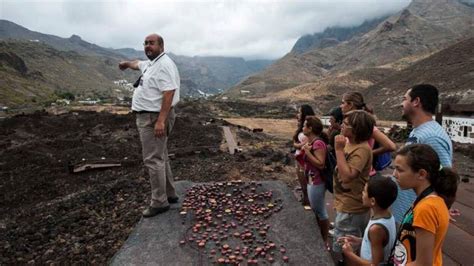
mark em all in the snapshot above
pixel 250 29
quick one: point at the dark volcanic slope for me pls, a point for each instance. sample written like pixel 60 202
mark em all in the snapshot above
pixel 48 215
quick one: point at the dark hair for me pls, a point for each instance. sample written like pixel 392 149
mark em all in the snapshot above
pixel 428 95
pixel 317 127
pixel 336 112
pixel 362 124
pixel 306 110
pixel 384 190
pixel 357 100
pixel 444 181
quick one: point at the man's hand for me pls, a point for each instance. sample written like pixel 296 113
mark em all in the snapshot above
pixel 339 142
pixel 129 64
pixel 123 65
pixel 160 129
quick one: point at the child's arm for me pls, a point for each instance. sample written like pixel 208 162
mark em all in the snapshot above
pixel 298 145
pixel 378 237
pixel 353 240
pixel 386 144
pixel 350 258
pixel 346 173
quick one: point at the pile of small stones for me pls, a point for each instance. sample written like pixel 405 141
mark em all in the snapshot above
pixel 228 223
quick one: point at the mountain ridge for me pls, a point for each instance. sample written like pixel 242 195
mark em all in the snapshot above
pixel 199 77
pixel 320 75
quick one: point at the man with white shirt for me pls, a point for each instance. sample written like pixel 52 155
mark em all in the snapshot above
pixel 156 93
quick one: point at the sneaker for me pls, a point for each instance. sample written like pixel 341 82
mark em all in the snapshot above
pixel 150 211
pixel 173 199
pixel 331 233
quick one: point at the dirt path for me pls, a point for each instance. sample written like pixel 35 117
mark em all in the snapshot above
pixel 281 128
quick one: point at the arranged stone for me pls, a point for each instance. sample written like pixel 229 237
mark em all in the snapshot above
pixel 231 213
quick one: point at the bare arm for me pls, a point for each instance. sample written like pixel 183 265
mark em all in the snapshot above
pixel 129 64
pixel 386 144
pixel 160 128
pixel 377 236
pixel 318 158
pixel 350 258
pixel 424 247
pixel 298 145
pixel 345 172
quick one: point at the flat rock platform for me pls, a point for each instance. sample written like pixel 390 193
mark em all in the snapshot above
pixel 156 240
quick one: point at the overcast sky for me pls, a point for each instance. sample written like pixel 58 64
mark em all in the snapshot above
pixel 252 29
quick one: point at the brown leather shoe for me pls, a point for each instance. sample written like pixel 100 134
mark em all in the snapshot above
pixel 173 199
pixel 150 211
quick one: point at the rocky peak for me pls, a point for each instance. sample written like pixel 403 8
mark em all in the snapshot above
pixel 387 26
pixel 75 38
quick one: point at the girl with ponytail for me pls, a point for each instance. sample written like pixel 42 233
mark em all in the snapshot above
pixel 425 224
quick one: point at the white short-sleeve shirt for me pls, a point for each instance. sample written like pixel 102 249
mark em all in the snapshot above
pixel 158 76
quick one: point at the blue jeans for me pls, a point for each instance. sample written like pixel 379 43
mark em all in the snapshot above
pixel 316 200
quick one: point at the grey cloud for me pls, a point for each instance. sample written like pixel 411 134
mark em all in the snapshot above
pixel 252 29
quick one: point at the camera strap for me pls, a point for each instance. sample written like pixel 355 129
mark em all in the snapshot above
pixel 137 83
pixel 423 194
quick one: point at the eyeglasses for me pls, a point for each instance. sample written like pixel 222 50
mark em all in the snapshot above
pixel 145 43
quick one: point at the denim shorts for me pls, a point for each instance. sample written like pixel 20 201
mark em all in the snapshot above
pixel 316 195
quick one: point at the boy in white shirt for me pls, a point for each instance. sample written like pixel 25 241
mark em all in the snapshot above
pixel 380 234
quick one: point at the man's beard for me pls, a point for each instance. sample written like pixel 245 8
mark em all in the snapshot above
pixel 151 56
pixel 406 116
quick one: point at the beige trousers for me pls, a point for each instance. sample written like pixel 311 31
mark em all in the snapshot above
pixel 155 157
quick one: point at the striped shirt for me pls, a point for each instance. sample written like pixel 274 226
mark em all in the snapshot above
pixel 432 134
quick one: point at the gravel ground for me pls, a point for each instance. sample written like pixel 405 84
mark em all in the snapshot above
pixel 49 215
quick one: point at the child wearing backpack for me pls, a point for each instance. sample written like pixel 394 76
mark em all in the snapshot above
pixel 425 224
pixel 381 232
pixel 354 161
pixel 315 156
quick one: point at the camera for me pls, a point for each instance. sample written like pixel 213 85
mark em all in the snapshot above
pixel 137 83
